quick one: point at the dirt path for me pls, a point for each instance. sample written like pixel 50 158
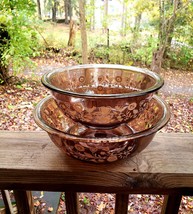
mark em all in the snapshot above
pixel 175 81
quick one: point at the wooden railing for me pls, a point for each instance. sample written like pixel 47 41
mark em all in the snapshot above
pixel 30 161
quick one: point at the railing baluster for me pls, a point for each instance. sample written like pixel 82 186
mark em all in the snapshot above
pixel 121 203
pixel 24 202
pixel 7 202
pixel 171 204
pixel 71 200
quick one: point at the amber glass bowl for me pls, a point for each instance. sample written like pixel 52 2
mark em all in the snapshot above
pixel 102 96
pixel 96 145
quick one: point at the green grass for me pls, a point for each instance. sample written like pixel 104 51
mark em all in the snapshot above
pixel 55 35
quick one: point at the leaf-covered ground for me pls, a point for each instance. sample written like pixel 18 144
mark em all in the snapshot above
pixel 17 105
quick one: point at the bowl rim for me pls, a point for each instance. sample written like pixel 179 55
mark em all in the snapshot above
pixel 152 130
pixel 159 81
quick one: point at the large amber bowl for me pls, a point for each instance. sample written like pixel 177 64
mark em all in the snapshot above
pixel 102 96
pixel 96 145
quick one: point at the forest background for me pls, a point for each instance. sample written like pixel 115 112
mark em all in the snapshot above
pixel 155 33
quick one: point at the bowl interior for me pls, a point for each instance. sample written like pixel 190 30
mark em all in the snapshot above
pixel 102 79
pixel 151 120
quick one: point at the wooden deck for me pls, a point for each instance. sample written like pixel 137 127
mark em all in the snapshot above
pixel 30 161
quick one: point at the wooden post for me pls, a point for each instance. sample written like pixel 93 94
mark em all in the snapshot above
pixel 171 204
pixel 121 203
pixel 7 202
pixel 24 202
pixel 71 201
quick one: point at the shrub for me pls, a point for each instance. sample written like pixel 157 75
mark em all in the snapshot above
pixel 18 17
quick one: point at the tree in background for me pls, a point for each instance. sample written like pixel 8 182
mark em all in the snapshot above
pixel 54 10
pixel 124 17
pixel 72 33
pixel 51 8
pixel 139 8
pixel 68 10
pixel 4 44
pixel 105 16
pixel 90 14
pixel 168 11
pixel 39 9
pixel 17 19
pixel 83 31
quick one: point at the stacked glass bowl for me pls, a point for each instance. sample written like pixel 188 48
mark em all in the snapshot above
pixel 102 113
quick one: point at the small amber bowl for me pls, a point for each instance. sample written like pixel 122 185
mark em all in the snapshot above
pixel 102 96
pixel 96 145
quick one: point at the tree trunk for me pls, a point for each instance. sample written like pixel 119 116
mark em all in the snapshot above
pixel 68 10
pixel 39 9
pixel 136 28
pixel 4 74
pixel 166 28
pixel 137 22
pixel 177 5
pixel 54 11
pixel 72 33
pixel 157 60
pixel 83 31
pixel 105 21
pixel 123 32
pixel 4 42
pixel 92 18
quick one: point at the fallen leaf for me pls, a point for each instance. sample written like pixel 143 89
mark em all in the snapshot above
pixel 50 209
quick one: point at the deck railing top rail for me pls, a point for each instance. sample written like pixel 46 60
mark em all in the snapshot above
pixel 30 161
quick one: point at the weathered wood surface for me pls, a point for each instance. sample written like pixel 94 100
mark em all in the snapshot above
pixel 30 161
